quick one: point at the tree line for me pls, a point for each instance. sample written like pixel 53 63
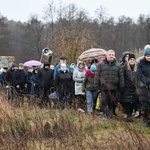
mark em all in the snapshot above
pixel 68 30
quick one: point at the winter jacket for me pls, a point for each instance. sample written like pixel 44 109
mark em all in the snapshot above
pixel 19 77
pixel 45 77
pixel 2 78
pixel 143 83
pixel 129 94
pixel 57 69
pixel 63 82
pixel 88 83
pixel 109 76
pixel 9 76
pixel 78 77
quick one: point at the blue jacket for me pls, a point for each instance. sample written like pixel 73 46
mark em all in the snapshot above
pixel 2 77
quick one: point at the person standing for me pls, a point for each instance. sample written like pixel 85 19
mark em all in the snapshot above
pixel 143 74
pixel 129 97
pixel 29 82
pixel 109 80
pixel 3 76
pixel 63 60
pixel 20 79
pixel 45 77
pixel 10 81
pixel 88 88
pixel 78 77
pixel 63 86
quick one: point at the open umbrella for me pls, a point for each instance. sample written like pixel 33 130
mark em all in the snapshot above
pixel 93 53
pixel 32 63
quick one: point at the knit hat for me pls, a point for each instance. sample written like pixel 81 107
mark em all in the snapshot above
pixel 13 65
pixel 46 64
pixel 147 50
pixel 93 68
pixel 131 56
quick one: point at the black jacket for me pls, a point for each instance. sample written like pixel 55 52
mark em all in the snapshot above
pixel 19 77
pixel 45 77
pixel 129 94
pixel 63 82
pixel 109 76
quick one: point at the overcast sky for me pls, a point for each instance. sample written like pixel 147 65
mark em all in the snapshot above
pixel 23 9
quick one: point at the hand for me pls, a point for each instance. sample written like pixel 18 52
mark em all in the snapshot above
pixel 98 91
pixel 83 93
pixel 17 86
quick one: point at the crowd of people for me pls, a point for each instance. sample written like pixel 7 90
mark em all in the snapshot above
pixel 126 82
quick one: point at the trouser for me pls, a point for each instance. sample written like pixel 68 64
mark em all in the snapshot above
pixel 80 101
pixel 91 98
pixel 45 94
pixel 109 101
pixel 146 111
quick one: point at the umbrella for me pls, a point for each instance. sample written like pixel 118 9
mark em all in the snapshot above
pixel 93 53
pixel 32 63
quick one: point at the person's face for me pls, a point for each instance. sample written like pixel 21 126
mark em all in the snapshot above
pixel 63 68
pixel 132 61
pixel 81 65
pixel 30 70
pixel 110 56
pixel 21 67
pixel 147 57
pixel 46 67
pixel 126 58
pixel 14 68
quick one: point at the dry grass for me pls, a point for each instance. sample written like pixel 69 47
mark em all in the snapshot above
pixel 32 128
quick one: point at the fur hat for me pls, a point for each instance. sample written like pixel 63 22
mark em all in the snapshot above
pixel 147 50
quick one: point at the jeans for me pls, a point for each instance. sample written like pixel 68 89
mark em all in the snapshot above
pixel 90 98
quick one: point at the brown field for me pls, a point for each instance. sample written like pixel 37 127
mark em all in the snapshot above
pixel 30 128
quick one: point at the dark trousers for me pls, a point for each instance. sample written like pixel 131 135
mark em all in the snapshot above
pixel 109 101
pixel 146 111
pixel 45 94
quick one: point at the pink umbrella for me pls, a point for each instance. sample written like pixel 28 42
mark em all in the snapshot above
pixel 32 63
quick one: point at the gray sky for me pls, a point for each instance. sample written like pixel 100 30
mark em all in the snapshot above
pixel 22 9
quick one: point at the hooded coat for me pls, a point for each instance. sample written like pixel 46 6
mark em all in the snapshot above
pixel 143 83
pixel 78 77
